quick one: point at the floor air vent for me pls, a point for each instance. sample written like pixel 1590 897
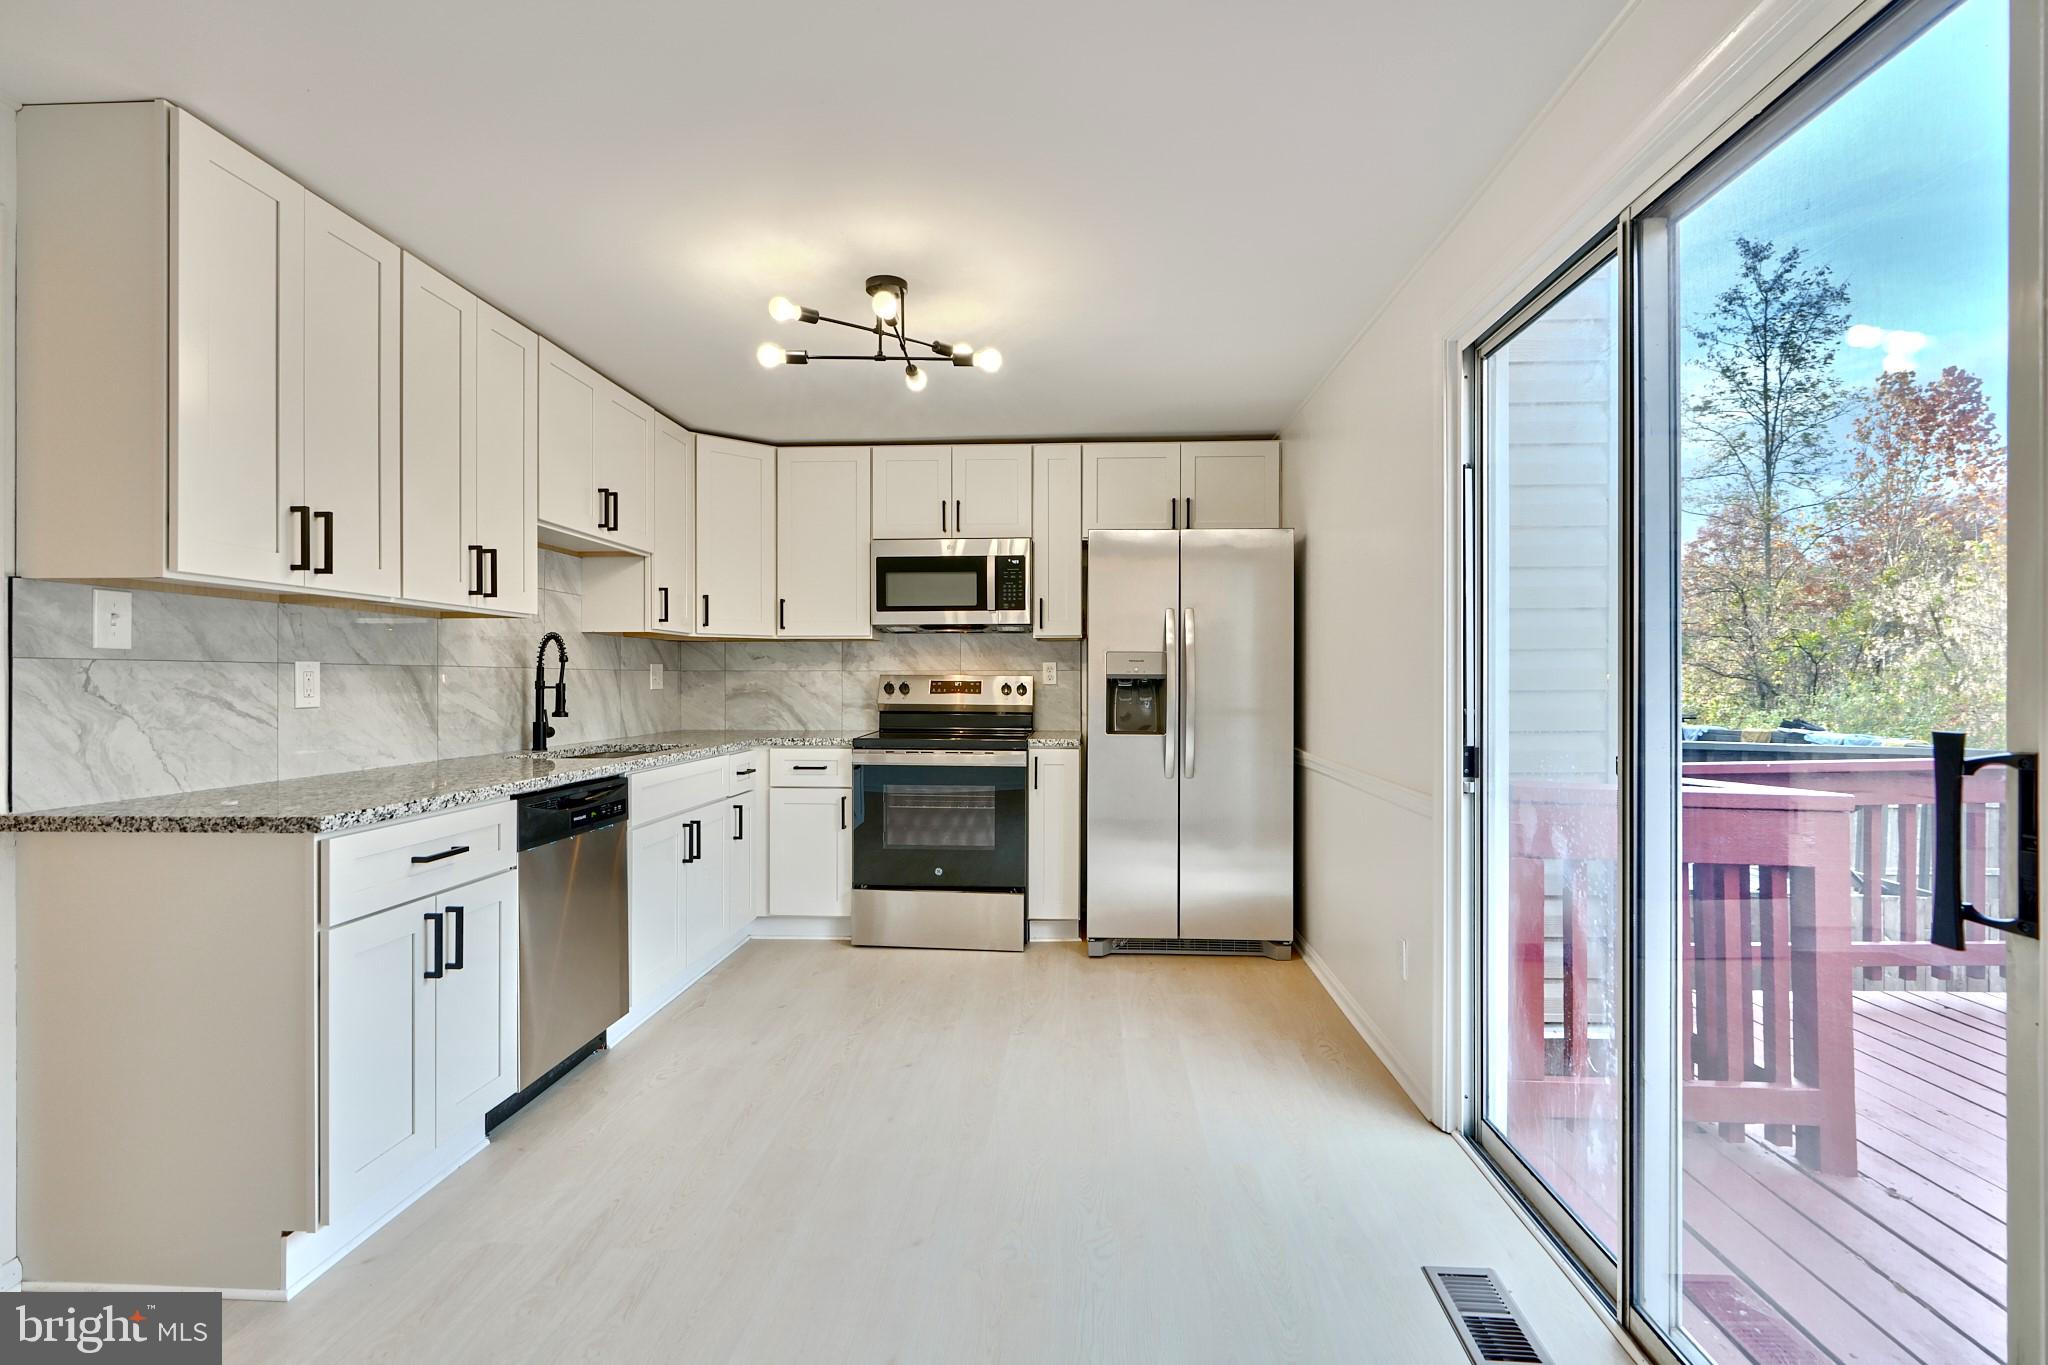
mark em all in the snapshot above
pixel 1196 947
pixel 1480 1308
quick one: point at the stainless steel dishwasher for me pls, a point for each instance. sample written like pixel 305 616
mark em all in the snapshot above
pixel 572 929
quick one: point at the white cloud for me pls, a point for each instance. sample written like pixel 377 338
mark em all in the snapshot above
pixel 1899 347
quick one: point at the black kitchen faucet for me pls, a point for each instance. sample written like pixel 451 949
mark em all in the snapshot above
pixel 541 729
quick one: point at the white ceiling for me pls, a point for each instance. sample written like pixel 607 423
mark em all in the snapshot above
pixel 1171 215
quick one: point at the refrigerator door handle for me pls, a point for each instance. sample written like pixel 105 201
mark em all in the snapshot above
pixel 1170 731
pixel 1187 692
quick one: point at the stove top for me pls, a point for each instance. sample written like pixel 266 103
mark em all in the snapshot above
pixel 952 712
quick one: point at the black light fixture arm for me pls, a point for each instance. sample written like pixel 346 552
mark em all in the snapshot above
pixel 940 349
pixel 890 295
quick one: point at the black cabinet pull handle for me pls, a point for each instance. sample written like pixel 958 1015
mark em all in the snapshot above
pixel 1950 909
pixel 1034 772
pixel 1041 613
pixel 435 972
pixel 1173 513
pixel 476 571
pixel 493 553
pixel 696 840
pixel 615 510
pixel 454 913
pixel 942 516
pixel 807 767
pixel 305 518
pixel 326 520
pixel 437 857
pixel 782 613
pixel 664 606
pixel 842 812
pixel 739 821
pixel 707 611
pixel 958 524
pixel 744 772
pixel 604 509
pixel 1189 520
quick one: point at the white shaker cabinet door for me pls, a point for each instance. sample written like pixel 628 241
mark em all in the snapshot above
pixel 1131 486
pixel 821 537
pixel 992 491
pixel 913 497
pixel 505 488
pixel 654 909
pixel 238 300
pixel 570 393
pixel 1055 825
pixel 810 851
pixel 735 537
pixel 672 572
pixel 379 1108
pixel 351 401
pixel 1056 538
pixel 1230 485
pixel 746 878
pixel 476 1006
pixel 625 449
pixel 439 433
pixel 706 866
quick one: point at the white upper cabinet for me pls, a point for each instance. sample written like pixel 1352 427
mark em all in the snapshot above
pixel 471 449
pixel 504 495
pixel 1056 541
pixel 913 498
pixel 821 534
pixel 625 448
pixel 672 583
pixel 1131 486
pixel 1230 485
pixel 238 505
pixel 570 392
pixel 1170 486
pixel 351 395
pixel 735 537
pixel 992 491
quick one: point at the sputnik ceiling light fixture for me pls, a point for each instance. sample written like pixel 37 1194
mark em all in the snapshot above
pixel 886 296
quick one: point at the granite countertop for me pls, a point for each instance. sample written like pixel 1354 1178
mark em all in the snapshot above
pixel 371 796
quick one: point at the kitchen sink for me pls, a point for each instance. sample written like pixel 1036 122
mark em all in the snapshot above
pixel 624 751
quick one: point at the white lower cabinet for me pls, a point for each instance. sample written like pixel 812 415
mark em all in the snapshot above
pixel 654 910
pixel 422 1037
pixel 1055 832
pixel 810 851
pixel 746 879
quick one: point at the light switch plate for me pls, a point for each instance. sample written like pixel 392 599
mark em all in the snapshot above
pixel 305 684
pixel 1051 677
pixel 113 621
pixel 654 677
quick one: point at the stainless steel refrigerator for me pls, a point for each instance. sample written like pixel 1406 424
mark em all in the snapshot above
pixel 1191 741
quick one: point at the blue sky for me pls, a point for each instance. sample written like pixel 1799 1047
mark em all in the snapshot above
pixel 1900 185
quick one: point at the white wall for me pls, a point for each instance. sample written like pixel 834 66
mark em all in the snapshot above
pixel 1370 484
pixel 10 1267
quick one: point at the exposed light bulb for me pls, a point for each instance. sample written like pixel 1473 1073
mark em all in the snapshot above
pixel 770 355
pixel 988 361
pixel 783 310
pixel 886 304
pixel 962 348
pixel 914 379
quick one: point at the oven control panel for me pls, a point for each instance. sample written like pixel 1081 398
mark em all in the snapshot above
pixel 956 691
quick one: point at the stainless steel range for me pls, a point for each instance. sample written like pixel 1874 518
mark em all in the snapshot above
pixel 940 825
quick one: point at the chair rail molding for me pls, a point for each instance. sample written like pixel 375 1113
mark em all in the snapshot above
pixel 1407 798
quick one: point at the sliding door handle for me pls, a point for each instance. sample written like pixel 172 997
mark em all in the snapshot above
pixel 1951 768
pixel 304 515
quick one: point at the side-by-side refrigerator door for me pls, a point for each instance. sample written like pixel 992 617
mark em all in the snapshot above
pixel 1133 734
pixel 1237 735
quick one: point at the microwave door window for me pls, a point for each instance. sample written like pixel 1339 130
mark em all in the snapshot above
pixel 923 585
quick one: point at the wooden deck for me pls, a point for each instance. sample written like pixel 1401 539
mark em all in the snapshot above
pixel 1904 1260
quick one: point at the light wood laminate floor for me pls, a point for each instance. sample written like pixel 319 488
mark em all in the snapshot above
pixel 825 1153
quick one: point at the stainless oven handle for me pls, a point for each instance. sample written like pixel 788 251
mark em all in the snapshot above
pixel 940 758
pixel 1171 730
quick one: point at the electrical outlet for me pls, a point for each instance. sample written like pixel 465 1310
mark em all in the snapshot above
pixel 1404 959
pixel 1050 674
pixel 654 677
pixel 305 684
pixel 113 623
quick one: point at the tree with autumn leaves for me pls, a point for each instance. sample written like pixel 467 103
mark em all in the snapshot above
pixel 1848 566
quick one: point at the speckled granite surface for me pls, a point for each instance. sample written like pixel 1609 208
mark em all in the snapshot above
pixel 341 801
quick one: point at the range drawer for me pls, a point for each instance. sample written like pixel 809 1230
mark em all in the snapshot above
pixel 663 792
pixel 389 865
pixel 810 767
pixel 747 771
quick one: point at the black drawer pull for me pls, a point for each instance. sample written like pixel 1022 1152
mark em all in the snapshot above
pixel 807 767
pixel 437 857
pixel 744 772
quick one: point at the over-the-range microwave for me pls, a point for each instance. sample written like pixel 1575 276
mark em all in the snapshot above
pixel 955 584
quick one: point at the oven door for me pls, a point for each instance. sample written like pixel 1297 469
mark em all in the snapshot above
pixel 939 821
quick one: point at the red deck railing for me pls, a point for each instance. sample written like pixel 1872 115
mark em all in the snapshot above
pixel 1784 910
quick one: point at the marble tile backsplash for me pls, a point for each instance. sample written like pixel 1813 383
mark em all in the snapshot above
pixel 204 697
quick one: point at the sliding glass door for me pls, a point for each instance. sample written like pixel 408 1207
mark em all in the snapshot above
pixel 1739 561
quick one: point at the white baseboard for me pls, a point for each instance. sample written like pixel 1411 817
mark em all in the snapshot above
pixel 10 1275
pixel 308 1255
pixel 803 926
pixel 668 994
pixel 1418 1095
pixel 1053 930
pixel 95 1287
